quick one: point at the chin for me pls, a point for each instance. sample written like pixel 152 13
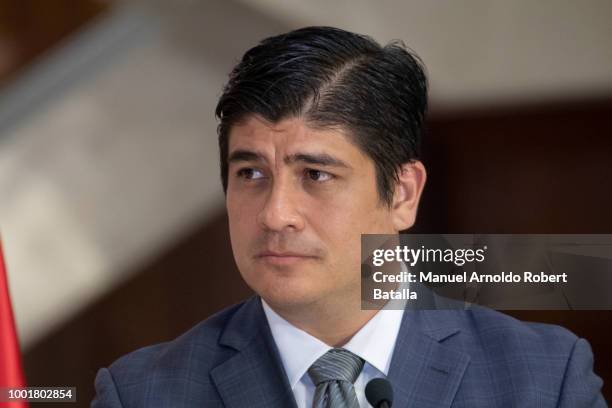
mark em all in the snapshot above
pixel 283 303
pixel 288 296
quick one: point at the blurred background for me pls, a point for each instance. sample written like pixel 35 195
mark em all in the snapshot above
pixel 111 211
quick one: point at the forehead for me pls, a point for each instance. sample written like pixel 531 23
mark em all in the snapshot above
pixel 290 135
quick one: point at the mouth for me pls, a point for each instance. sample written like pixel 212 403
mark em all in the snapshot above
pixel 283 258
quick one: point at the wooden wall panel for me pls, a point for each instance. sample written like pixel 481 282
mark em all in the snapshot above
pixel 526 170
pixel 29 28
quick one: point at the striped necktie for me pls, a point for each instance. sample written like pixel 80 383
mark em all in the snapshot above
pixel 334 374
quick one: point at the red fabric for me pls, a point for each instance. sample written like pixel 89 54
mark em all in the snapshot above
pixel 11 374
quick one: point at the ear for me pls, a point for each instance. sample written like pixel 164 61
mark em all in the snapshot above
pixel 407 194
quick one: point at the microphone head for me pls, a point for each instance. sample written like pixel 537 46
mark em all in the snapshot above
pixel 379 390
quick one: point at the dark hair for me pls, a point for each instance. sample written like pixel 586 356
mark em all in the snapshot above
pixel 333 78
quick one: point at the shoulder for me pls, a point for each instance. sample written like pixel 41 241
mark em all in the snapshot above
pixel 483 328
pixel 541 361
pixel 136 375
pixel 511 348
pixel 496 328
pixel 204 337
pixel 206 333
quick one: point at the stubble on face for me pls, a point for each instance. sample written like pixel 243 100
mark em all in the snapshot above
pixel 296 224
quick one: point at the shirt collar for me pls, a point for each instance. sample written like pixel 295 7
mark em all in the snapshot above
pixel 298 350
pixel 375 341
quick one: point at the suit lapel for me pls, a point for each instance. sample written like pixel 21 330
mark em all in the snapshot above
pixel 424 372
pixel 254 376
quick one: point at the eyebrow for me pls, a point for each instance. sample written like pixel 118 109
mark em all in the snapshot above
pixel 245 156
pixel 321 159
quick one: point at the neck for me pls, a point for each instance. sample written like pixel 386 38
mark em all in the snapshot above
pixel 334 325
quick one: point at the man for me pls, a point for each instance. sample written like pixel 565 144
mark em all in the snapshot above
pixel 319 137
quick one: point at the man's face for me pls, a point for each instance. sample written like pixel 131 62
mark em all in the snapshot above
pixel 298 200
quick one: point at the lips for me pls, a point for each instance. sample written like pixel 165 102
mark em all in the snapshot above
pixel 283 254
pixel 283 258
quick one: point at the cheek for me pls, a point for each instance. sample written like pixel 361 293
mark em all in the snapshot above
pixel 340 223
pixel 350 213
pixel 241 222
pixel 241 206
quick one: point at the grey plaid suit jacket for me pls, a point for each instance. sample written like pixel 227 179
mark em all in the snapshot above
pixel 443 358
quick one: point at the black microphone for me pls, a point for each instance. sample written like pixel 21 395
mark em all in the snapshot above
pixel 379 393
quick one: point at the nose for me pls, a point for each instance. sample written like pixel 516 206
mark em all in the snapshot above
pixel 281 210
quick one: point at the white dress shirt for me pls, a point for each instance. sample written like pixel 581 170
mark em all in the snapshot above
pixel 298 350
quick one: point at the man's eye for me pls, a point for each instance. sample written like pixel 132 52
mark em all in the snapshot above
pixel 250 174
pixel 318 175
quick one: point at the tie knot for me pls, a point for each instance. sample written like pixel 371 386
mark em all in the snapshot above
pixel 337 364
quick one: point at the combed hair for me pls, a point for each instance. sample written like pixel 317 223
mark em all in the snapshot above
pixel 333 79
